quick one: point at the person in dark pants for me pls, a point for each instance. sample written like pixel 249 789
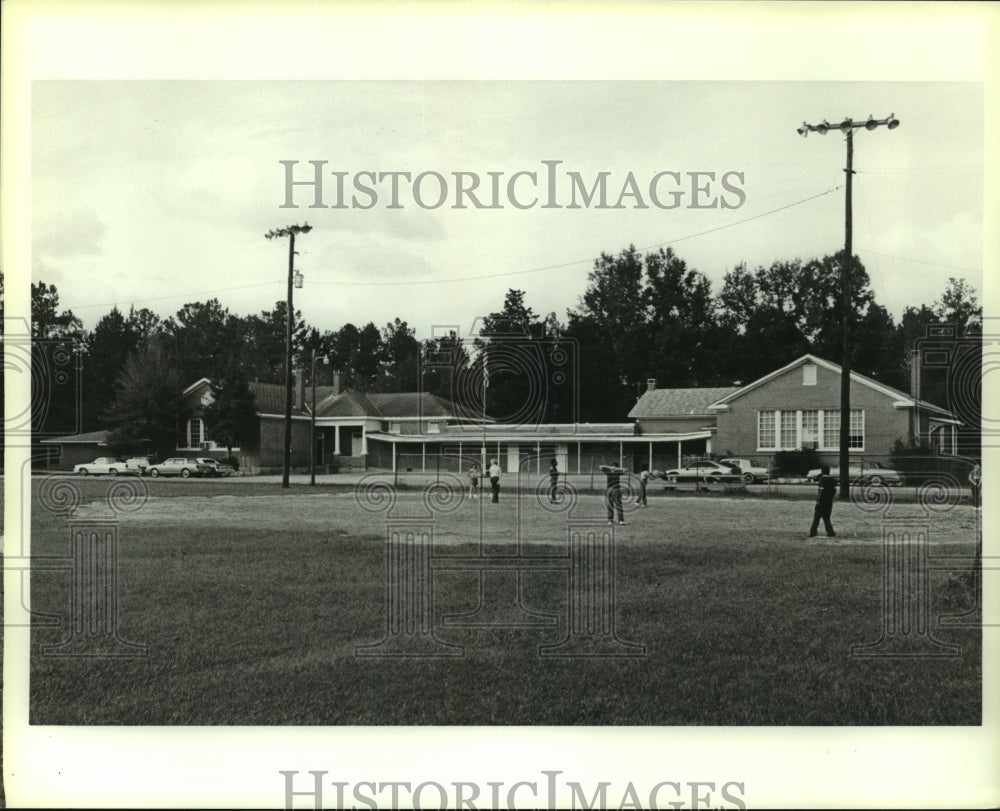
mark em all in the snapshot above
pixel 976 482
pixel 553 481
pixel 613 493
pixel 824 503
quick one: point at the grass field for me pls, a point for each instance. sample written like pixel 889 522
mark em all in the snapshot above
pixel 251 602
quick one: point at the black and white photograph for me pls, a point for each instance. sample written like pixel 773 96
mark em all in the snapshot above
pixel 488 408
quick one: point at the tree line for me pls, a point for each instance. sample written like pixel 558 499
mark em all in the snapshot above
pixel 641 316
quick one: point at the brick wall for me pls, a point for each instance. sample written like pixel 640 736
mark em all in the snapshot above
pixel 737 428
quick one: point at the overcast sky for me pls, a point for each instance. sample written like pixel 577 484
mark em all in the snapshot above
pixel 149 190
pixel 158 193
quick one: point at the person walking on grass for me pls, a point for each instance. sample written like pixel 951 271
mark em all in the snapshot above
pixel 824 503
pixel 494 481
pixel 553 481
pixel 976 481
pixel 613 492
pixel 643 481
pixel 474 475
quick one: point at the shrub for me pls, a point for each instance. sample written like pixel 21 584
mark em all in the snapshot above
pixel 233 462
pixel 796 463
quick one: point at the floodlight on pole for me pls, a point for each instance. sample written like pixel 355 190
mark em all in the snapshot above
pixel 294 280
pixel 847 126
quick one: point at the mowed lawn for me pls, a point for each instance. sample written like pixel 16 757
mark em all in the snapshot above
pixel 252 600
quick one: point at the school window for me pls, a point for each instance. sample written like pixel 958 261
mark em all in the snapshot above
pixel 395 428
pixel 789 434
pixel 856 435
pixel 195 432
pixel 831 429
pixel 810 429
pixel 433 428
pixel 808 375
pixel 765 430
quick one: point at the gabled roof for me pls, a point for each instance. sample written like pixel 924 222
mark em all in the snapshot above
pixel 667 403
pixel 98 437
pixel 412 404
pixel 203 382
pixel 900 398
pixel 271 398
pixel 349 403
pixel 352 403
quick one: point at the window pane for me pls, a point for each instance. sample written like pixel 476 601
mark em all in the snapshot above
pixel 856 438
pixel 831 429
pixel 810 428
pixel 765 429
pixel 789 440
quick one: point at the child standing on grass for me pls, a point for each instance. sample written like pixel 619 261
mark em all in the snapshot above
pixel 643 481
pixel 494 481
pixel 824 503
pixel 613 492
pixel 976 480
pixel 553 481
pixel 474 474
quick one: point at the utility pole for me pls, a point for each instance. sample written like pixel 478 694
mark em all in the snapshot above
pixel 294 280
pixel 847 126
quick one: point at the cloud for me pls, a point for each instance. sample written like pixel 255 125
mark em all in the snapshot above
pixel 66 228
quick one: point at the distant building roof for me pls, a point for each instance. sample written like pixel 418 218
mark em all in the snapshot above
pixel 270 398
pixel 94 437
pixel 349 403
pixel 901 398
pixel 412 404
pixel 666 403
pixel 386 405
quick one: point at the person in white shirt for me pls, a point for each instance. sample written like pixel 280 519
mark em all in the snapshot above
pixel 495 480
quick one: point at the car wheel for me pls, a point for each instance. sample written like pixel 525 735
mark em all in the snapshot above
pixel 748 478
pixel 713 479
pixel 875 481
pixel 83 471
pixel 154 473
pixel 112 472
pixel 671 479
pixel 185 473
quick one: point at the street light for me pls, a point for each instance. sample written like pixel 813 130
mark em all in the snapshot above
pixel 294 280
pixel 847 126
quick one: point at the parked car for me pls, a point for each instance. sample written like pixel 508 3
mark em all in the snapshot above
pixel 140 463
pixel 751 471
pixel 703 471
pixel 179 466
pixel 217 468
pixel 104 465
pixel 870 473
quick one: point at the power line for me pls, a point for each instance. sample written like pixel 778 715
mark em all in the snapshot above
pixel 452 280
pixel 919 261
pixel 747 219
pixel 179 295
pixel 578 261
